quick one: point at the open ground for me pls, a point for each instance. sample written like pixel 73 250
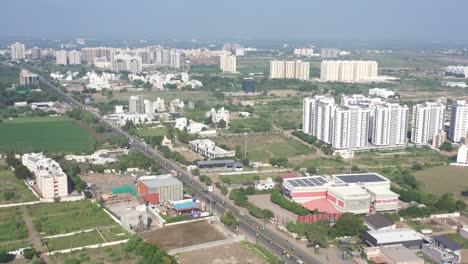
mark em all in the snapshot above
pixel 18 190
pixel 227 254
pixel 444 179
pixel 54 134
pixel 106 181
pixel 183 235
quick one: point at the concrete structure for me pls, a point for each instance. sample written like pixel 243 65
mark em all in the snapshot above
pixel 351 128
pixel 378 222
pixel 349 198
pixel 196 128
pixel 50 178
pixel 61 57
pixel 18 51
pixel 348 71
pixel 392 255
pixel 438 139
pixel 209 149
pixel 28 78
pixel 381 92
pixel 462 155
pixel 181 123
pixel 458 122
pixel 428 119
pixel 219 115
pixel 296 69
pixel 227 63
pixel 400 236
pixel 168 187
pixel 219 165
pixel 136 104
pixel 248 85
pixel 74 57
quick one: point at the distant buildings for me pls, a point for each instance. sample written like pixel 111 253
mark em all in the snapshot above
pixel 428 120
pixel 209 149
pixel 74 57
pixel 126 63
pixel 296 69
pixel 306 52
pixel 348 71
pixel 28 78
pixel 227 63
pixel 219 165
pixel 36 53
pixel 136 104
pixel 217 116
pixel 381 92
pixel 459 122
pixel 89 55
pixel 63 57
pixel 175 59
pixel 457 71
pixel 18 51
pixel 50 178
pixel 455 84
pixel 248 85
pixel 327 53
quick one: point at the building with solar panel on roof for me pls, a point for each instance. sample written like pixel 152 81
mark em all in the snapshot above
pixel 356 193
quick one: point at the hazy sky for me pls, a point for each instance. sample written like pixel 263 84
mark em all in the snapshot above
pixel 305 19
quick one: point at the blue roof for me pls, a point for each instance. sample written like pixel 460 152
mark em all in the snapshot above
pixel 447 243
pixel 184 206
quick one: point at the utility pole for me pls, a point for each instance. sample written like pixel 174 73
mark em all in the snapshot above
pixel 245 144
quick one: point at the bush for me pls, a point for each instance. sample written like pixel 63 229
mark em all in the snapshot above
pixel 305 137
pixel 349 224
pixel 294 207
pixel 281 162
pixel 446 146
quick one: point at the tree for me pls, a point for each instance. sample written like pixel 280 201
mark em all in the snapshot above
pixel 349 224
pixel 222 124
pixel 250 190
pixel 312 170
pixel 317 237
pixel 5 256
pixel 9 196
pixel 446 146
pixel 22 172
pixel 416 166
pixel 30 253
pixel 229 219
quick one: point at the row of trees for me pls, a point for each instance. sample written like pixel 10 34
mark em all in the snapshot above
pixel 239 196
pixel 294 207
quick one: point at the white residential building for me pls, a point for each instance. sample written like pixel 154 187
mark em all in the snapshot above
pixel 296 69
pixel 307 52
pixel 176 106
pixel 50 178
pixel 317 118
pixel 196 128
pixel 216 116
pixel 175 59
pixel 348 71
pixel 381 92
pixel 158 105
pixel 459 122
pixel 18 51
pixel 74 57
pixel 389 125
pixel 227 63
pixel 136 104
pixel 61 57
pixel 126 62
pixel 351 128
pixel 208 148
pixel 458 71
pixel 428 119
pixel 462 155
pixel 181 123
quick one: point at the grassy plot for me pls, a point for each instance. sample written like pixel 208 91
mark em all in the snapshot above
pixel 112 254
pixel 202 69
pixel 261 251
pixel 444 179
pixel 146 132
pixel 13 190
pixel 76 240
pixel 44 134
pixel 13 231
pixel 457 238
pixel 325 165
pixel 404 157
pixel 247 178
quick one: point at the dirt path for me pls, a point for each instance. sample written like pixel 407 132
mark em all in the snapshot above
pixel 33 235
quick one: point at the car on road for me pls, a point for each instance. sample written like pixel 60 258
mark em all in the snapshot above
pixel 241 213
pixel 299 261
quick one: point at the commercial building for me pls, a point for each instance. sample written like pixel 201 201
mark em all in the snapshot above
pixel 392 255
pixel 381 92
pixel 296 69
pixel 349 198
pixel 400 236
pixel 428 119
pixel 61 57
pixel 348 71
pixel 51 180
pixel 28 78
pixel 136 104
pixel 219 165
pixel 209 149
pixel 458 122
pixel 18 51
pixel 227 63
pixel 168 187
pixel 248 85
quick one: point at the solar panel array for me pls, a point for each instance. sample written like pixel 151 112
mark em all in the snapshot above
pixel 366 177
pixel 307 182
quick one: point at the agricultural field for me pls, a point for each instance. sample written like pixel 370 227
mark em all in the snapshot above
pixel 65 217
pixel 112 254
pixel 265 147
pixel 13 231
pixel 444 179
pixel 12 189
pixel 50 134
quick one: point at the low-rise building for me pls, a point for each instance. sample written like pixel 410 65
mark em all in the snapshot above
pixel 217 116
pixel 462 155
pixel 378 222
pixel 181 123
pixel 51 180
pixel 195 127
pixel 392 255
pixel 209 149
pixel 381 92
pixel 168 187
pixel 219 165
pixel 400 236
pixel 443 250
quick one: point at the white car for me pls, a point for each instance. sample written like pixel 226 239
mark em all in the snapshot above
pixel 299 261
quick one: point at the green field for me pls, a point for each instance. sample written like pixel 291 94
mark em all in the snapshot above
pixel 13 231
pixel 76 240
pixel 53 134
pixel 325 165
pixel 247 178
pixel 12 189
pixel 65 217
pixel 402 157
pixel 444 179
pixel 146 132
pixel 112 254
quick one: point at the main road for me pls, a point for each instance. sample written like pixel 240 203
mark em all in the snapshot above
pixel 247 224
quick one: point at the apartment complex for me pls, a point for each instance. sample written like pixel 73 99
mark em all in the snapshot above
pixel 428 120
pixel 28 78
pixel 459 122
pixel 306 52
pixel 126 63
pixel 328 53
pixel 356 123
pixel 50 178
pixel 136 104
pixel 18 51
pixel 296 69
pixel 348 71
pixel 248 85
pixel 227 63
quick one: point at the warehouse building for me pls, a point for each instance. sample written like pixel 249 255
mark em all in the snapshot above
pixel 219 165
pixel 400 236
pixel 168 188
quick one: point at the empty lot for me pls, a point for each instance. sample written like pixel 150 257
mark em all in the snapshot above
pixel 227 254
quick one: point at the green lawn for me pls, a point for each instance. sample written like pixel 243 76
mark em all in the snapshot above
pixel 12 186
pixel 444 179
pixel 326 165
pixel 146 132
pixel 77 240
pixel 289 148
pixel 261 251
pixel 44 134
pixel 65 217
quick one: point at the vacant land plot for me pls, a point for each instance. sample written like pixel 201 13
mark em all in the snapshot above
pixel 112 254
pixel 65 217
pixel 404 157
pixel 265 147
pixel 105 182
pixel 147 132
pixel 325 165
pixel 183 235
pixel 283 216
pixel 444 179
pixel 227 254
pixel 12 189
pixel 76 240
pixel 13 231
pixel 54 134
pixel 247 178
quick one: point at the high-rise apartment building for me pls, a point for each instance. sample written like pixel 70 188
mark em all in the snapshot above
pixel 36 53
pixel 136 104
pixel 166 57
pixel 61 57
pixel 459 122
pixel 126 62
pixel 74 57
pixel 18 51
pixel 428 120
pixel 348 71
pixel 175 59
pixel 326 53
pixel 296 69
pixel 307 52
pixel 318 116
pixel 248 85
pixel 389 125
pixel 227 63
pixel 88 55
pixel 351 128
